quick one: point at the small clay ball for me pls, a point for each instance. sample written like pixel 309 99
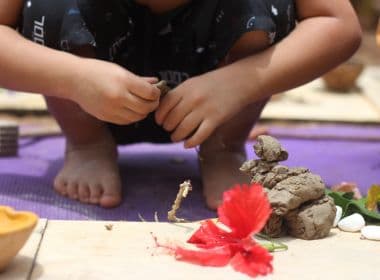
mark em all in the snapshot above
pixel 269 149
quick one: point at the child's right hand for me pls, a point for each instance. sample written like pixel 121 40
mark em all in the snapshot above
pixel 111 93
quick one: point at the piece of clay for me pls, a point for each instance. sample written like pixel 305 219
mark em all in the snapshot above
pixel 352 223
pixel 253 167
pixel 290 193
pixel 297 196
pixel 338 215
pixel 371 232
pixel 163 87
pixel 313 220
pixel 274 226
pixel 109 227
pixel 269 149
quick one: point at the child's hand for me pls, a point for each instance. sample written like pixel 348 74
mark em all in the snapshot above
pixel 198 106
pixel 113 94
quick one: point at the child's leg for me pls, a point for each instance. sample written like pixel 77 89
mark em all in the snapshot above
pixel 90 173
pixel 224 152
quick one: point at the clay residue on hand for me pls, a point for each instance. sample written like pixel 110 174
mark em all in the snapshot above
pixel 297 196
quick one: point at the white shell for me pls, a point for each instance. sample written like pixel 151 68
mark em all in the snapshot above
pixel 352 223
pixel 371 232
pixel 338 215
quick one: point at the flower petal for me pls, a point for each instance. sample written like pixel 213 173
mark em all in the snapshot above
pixel 245 210
pixel 219 256
pixel 254 261
pixel 209 235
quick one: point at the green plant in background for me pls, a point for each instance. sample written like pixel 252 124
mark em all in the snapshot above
pixel 350 205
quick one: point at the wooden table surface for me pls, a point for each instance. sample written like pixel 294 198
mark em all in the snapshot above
pixel 87 250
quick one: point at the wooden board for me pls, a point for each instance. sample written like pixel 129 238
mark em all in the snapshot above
pixel 313 102
pixel 19 101
pixel 370 82
pixel 22 265
pixel 87 250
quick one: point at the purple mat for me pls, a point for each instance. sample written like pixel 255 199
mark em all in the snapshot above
pixel 151 174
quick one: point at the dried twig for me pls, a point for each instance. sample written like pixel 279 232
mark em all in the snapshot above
pixel 184 189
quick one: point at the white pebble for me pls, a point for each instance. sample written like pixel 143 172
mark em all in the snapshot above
pixel 352 223
pixel 371 232
pixel 338 215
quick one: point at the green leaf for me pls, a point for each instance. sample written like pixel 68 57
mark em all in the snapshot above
pixel 350 206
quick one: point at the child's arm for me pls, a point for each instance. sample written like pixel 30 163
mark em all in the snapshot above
pixel 327 34
pixel 100 88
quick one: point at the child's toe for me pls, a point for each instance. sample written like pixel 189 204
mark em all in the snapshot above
pixel 84 193
pixel 72 190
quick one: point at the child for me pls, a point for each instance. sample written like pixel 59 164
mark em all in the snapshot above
pixel 94 61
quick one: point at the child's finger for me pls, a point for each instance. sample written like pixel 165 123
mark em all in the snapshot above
pixel 187 126
pixel 140 105
pixel 201 134
pixel 151 80
pixel 176 116
pixel 127 116
pixel 143 89
pixel 166 106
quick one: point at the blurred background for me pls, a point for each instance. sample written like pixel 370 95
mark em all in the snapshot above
pixel 368 11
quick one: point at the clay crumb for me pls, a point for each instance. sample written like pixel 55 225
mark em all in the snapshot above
pixel 109 227
pixel 163 87
pixel 184 190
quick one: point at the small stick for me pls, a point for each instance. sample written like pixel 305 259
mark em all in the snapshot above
pixel 184 190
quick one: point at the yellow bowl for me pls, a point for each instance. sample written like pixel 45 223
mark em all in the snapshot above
pixel 15 229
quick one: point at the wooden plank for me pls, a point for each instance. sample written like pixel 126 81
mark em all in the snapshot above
pixel 87 250
pixel 21 267
pixel 312 102
pixel 20 101
pixel 370 83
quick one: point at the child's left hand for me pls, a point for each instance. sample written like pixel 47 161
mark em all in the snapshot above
pixel 195 108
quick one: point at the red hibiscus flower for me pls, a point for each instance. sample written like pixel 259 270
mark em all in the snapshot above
pixel 245 210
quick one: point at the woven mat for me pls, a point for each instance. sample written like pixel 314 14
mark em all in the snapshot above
pixel 151 174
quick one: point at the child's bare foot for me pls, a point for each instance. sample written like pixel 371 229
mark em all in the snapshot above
pixel 220 171
pixel 90 174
